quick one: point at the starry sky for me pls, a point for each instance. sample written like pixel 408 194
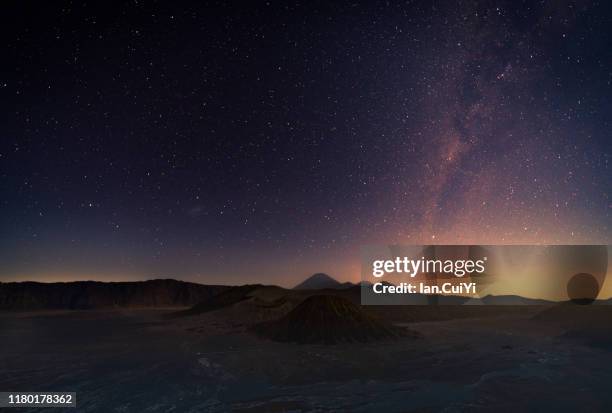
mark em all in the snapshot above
pixel 263 142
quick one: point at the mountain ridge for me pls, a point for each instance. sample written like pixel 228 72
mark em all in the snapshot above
pixel 321 281
pixel 31 295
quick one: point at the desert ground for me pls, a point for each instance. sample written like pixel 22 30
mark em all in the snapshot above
pixel 480 359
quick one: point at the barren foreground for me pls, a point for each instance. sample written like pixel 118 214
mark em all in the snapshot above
pixel 144 361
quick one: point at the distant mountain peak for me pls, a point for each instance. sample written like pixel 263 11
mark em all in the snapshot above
pixel 318 281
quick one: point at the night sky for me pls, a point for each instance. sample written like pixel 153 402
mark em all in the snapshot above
pixel 266 142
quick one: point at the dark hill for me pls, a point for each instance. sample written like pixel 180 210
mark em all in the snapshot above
pixel 327 319
pixel 93 294
pixel 320 281
pixel 226 298
pixel 513 300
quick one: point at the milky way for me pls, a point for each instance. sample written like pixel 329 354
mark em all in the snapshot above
pixel 230 145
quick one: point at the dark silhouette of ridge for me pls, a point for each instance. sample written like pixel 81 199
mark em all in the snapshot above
pixel 328 319
pixel 226 298
pixel 513 300
pixel 321 281
pixel 94 294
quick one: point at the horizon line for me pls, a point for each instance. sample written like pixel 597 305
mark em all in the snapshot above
pixel 285 288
